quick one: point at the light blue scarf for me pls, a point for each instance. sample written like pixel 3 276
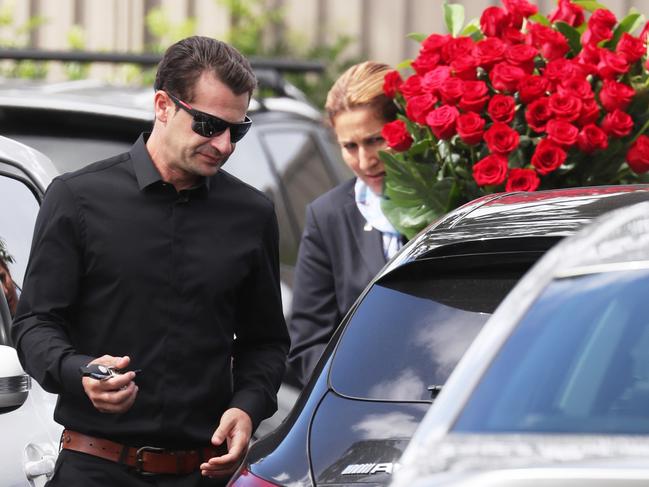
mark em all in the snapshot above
pixel 369 204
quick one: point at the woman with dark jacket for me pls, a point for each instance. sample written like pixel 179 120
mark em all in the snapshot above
pixel 346 238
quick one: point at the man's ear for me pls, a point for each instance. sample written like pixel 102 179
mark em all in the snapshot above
pixel 162 106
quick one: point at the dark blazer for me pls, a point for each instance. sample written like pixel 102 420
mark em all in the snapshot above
pixel 337 259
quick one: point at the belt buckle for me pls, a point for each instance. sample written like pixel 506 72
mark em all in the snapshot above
pixel 139 458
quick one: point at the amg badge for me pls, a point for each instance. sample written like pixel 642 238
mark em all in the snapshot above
pixel 369 468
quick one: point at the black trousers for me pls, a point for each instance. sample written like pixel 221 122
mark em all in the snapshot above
pixel 75 469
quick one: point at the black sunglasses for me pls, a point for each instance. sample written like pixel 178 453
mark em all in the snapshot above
pixel 207 125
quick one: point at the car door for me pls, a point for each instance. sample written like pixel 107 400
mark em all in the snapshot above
pixel 30 437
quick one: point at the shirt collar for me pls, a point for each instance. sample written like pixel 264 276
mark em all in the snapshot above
pixel 146 172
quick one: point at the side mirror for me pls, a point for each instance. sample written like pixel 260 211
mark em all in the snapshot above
pixel 14 382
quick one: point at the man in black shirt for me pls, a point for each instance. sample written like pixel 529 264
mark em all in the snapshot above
pixel 156 261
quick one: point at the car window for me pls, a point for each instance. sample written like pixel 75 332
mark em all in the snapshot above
pixel 411 328
pixel 302 168
pixel 576 363
pixel 19 208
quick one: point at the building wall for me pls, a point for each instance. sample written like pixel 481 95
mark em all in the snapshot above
pixel 378 27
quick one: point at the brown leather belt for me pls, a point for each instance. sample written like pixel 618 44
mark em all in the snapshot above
pixel 146 459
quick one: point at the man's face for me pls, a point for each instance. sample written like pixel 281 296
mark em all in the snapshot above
pixel 189 154
pixel 8 288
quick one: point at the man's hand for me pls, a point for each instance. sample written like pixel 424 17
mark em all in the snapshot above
pixel 236 428
pixel 114 395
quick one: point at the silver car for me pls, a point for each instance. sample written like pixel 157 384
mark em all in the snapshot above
pixel 555 388
pixel 30 437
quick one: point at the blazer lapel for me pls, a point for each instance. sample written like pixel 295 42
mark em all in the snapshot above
pixel 370 242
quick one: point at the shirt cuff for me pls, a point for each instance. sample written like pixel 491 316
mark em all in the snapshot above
pixel 70 374
pixel 252 404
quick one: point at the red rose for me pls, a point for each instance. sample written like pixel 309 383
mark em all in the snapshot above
pixel 617 124
pixel 590 112
pixel 569 13
pixel 644 35
pixel 435 42
pixel 489 51
pixel 465 67
pixel 519 10
pixel 552 44
pixel 575 86
pixel 418 107
pixel 470 127
pixel 538 113
pixel 442 121
pixel 426 61
pixel 638 155
pixel 501 108
pixel 412 87
pixel 522 180
pixel 475 96
pixel 505 77
pixel 391 83
pixel 592 138
pixel 615 95
pixel 432 80
pixel 631 48
pixel 562 69
pixel 522 55
pixel 451 90
pixel 501 138
pixel 490 171
pixel 396 135
pixel 457 47
pixel 493 21
pixel 548 157
pixel 600 27
pixel 511 36
pixel 567 107
pixel 532 87
pixel 611 65
pixel 561 132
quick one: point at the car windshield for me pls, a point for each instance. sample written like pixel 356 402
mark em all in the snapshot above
pixel 576 363
pixel 412 327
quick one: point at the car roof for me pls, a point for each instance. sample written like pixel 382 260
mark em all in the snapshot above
pixel 34 163
pixel 532 216
pixel 97 97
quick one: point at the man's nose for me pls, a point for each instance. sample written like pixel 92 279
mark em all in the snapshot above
pixel 221 142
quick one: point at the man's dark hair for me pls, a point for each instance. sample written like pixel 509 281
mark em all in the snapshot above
pixel 185 61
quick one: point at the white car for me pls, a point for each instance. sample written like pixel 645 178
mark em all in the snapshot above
pixel 30 437
pixel 555 388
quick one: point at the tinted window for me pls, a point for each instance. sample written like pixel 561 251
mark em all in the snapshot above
pixel 412 327
pixel 18 210
pixel 577 362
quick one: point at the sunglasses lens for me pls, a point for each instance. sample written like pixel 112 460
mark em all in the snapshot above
pixel 238 131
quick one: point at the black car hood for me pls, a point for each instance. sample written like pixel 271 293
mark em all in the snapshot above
pixel 359 442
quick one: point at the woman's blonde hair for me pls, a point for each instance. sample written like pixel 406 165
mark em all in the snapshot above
pixel 361 86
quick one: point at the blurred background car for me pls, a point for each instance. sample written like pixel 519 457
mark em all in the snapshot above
pixel 30 437
pixel 394 350
pixel 555 389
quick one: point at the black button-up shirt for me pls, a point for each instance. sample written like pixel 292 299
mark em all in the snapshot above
pixel 184 283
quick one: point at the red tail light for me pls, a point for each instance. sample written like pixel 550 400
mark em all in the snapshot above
pixel 247 479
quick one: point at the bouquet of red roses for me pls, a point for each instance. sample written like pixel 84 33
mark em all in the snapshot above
pixel 517 101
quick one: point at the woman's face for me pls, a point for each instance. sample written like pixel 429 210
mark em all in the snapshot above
pixel 359 134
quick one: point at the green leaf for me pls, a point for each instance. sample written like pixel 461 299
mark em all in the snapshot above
pixel 454 18
pixel 630 23
pixel 540 19
pixel 416 36
pixel 405 64
pixel 413 196
pixel 472 30
pixel 590 5
pixel 571 34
